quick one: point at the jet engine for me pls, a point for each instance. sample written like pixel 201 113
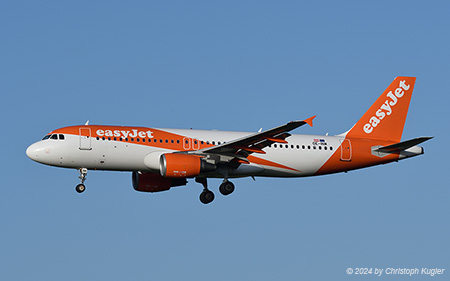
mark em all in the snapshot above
pixel 177 165
pixel 150 182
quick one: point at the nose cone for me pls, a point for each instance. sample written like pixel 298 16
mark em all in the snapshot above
pixel 40 152
pixel 33 152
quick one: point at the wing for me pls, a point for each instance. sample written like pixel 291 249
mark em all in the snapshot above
pixel 241 148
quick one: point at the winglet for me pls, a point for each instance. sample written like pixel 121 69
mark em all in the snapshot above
pixel 309 121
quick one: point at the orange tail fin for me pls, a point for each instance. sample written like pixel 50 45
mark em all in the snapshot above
pixel 386 117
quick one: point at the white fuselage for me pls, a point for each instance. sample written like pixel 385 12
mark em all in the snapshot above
pixel 303 154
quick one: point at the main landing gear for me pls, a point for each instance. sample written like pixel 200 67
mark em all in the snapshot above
pixel 80 188
pixel 207 196
pixel 226 188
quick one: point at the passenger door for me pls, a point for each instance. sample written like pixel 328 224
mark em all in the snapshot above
pixel 346 150
pixel 85 139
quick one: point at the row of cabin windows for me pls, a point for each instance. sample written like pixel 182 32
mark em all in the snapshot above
pixel 303 146
pixel 54 137
pixel 214 143
pixel 156 140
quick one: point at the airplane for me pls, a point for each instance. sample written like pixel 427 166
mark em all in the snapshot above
pixel 160 159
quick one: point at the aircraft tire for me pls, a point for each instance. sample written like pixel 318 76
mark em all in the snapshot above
pixel 226 188
pixel 206 197
pixel 80 188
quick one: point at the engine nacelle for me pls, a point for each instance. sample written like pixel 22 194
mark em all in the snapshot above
pixel 150 182
pixel 177 165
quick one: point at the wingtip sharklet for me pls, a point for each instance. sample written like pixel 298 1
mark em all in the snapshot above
pixel 309 121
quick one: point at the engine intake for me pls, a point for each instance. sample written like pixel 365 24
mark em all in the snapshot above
pixel 176 165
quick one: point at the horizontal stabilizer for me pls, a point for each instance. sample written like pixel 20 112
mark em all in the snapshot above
pixel 403 145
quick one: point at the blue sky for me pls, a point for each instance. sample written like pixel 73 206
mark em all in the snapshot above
pixel 234 65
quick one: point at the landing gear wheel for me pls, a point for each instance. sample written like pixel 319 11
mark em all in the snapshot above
pixel 226 188
pixel 206 196
pixel 80 188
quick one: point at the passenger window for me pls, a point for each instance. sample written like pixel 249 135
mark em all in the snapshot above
pixel 331 148
pixel 303 147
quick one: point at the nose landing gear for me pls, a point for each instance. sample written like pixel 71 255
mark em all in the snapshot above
pixel 80 188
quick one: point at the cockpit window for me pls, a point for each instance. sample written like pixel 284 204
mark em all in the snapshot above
pixel 61 136
pixel 46 137
pixel 54 137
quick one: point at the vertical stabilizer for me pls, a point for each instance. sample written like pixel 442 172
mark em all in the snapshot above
pixel 386 117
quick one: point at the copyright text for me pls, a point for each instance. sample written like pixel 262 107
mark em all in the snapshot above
pixel 394 271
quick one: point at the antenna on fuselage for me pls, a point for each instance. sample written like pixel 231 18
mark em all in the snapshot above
pixel 87 123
